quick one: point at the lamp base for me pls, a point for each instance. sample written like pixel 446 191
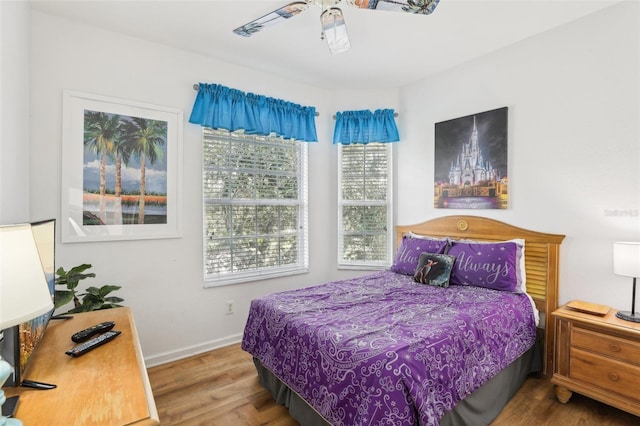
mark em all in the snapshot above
pixel 9 407
pixel 628 316
pixel 5 371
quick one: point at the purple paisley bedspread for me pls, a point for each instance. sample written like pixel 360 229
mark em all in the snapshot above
pixel 384 350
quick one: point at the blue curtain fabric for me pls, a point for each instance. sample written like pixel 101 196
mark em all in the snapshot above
pixel 221 107
pixel 365 126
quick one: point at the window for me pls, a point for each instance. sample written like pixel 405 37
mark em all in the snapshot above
pixel 255 207
pixel 364 205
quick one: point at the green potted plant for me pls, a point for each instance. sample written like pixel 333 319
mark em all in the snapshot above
pixel 93 298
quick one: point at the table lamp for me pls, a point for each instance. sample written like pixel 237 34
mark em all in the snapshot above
pixel 626 261
pixel 24 292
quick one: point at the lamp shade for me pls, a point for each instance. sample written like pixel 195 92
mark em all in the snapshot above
pixel 335 30
pixel 24 292
pixel 626 259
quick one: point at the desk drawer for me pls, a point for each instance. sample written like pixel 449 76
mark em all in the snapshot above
pixel 614 347
pixel 606 373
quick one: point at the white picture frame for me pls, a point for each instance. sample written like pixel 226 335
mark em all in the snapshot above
pixel 102 134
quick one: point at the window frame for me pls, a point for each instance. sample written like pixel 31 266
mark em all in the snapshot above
pixel 388 202
pixel 221 278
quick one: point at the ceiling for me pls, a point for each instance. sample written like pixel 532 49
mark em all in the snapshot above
pixel 388 49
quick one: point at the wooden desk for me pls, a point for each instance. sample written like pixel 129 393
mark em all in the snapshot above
pixel 107 386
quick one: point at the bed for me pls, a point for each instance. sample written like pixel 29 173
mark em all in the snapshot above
pixel 420 343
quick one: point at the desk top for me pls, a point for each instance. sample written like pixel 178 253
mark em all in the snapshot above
pixel 106 386
pixel 608 321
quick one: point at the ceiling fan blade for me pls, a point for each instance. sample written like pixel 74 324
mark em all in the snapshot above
pixel 334 30
pixel 421 7
pixel 278 15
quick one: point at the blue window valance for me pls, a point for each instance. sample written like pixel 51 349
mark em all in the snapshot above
pixel 365 126
pixel 221 107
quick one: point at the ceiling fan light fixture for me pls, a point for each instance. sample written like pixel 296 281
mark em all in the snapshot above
pixel 335 30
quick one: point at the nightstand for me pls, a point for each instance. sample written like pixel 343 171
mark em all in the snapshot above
pixel 598 357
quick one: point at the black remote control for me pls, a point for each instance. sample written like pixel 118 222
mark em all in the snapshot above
pixel 90 345
pixel 85 334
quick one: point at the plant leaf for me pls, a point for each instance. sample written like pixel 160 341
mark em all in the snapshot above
pixel 106 289
pixel 110 306
pixel 86 306
pixel 94 291
pixel 80 268
pixel 62 297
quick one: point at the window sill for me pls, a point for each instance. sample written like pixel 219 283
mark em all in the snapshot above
pixel 345 266
pixel 255 276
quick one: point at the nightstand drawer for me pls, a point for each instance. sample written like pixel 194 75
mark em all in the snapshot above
pixel 606 373
pixel 618 348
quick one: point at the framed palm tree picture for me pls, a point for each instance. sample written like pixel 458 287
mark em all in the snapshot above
pixel 121 169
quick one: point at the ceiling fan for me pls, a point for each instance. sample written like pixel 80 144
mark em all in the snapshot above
pixel 334 29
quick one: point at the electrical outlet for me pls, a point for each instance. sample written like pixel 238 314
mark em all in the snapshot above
pixel 230 307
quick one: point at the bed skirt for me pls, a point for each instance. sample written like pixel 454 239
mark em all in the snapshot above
pixel 479 408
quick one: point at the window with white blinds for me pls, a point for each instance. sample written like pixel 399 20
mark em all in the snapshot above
pixel 255 207
pixel 364 205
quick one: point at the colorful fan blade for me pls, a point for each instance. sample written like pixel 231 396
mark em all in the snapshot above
pixel 278 15
pixel 423 7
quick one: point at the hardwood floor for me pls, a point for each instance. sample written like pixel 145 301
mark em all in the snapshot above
pixel 221 388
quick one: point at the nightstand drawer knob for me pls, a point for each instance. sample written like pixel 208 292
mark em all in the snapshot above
pixel 614 377
pixel 614 348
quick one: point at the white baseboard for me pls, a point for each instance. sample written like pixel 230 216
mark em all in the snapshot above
pixel 178 354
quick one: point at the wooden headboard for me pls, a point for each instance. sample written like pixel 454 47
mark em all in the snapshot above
pixel 542 254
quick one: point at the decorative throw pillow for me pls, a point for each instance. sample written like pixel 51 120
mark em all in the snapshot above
pixel 410 249
pixel 434 269
pixel 496 265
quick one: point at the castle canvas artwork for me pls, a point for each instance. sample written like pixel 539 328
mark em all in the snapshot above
pixel 471 162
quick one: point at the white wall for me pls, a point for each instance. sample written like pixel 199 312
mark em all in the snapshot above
pixel 14 112
pixel 574 157
pixel 162 279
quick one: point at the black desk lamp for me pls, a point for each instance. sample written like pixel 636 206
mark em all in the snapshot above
pixel 626 261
